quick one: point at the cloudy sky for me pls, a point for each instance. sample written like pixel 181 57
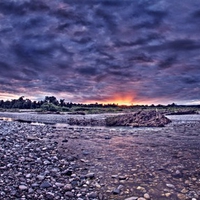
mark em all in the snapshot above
pixel 141 51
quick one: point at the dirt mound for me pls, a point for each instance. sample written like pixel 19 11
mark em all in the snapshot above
pixel 139 119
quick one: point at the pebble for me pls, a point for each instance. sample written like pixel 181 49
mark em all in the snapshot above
pixel 170 186
pixel 92 195
pixel 67 187
pixel 141 189
pixel 146 196
pixel 141 198
pixel 116 191
pixel 40 177
pixel 90 175
pixel 69 194
pixel 168 194
pixel 131 198
pixel 45 184
pixel 36 168
pixel 23 187
pixel 181 196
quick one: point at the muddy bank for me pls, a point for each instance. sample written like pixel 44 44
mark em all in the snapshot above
pixel 81 163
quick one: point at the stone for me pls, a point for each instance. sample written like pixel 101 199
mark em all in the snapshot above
pixel 23 187
pixel 90 175
pixel 122 177
pixel 67 187
pixel 40 177
pixel 168 194
pixel 69 194
pixel 116 191
pixel 92 195
pixel 45 184
pixel 170 185
pixel 59 184
pixel 131 198
pixel 139 119
pixel 181 196
pixel 120 187
pixel 146 196
pixel 141 189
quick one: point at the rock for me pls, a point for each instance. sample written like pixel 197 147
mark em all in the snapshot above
pixel 59 184
pixel 114 176
pixel 67 187
pixel 90 175
pixel 69 194
pixel 122 177
pixel 67 172
pixel 168 194
pixel 45 184
pixel 28 175
pixel 92 195
pixel 23 187
pixel 170 186
pixel 181 196
pixel 139 119
pixel 40 177
pixel 146 196
pixel 30 190
pixel 108 137
pixel 131 198
pixel 116 191
pixel 120 187
pixel 142 189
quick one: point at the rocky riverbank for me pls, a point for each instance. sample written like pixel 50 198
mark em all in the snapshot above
pixel 137 119
pixel 89 163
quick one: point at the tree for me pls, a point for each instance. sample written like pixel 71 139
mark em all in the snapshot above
pixel 52 100
pixel 62 102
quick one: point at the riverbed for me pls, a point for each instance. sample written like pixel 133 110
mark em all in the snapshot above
pixel 48 159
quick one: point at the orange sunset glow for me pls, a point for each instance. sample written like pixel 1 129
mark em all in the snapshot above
pixel 119 99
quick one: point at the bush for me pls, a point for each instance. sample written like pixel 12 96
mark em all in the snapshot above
pixel 50 107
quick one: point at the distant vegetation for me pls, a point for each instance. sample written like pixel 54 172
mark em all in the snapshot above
pixel 51 104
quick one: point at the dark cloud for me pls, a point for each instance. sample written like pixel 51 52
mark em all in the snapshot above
pixel 168 62
pixel 196 14
pixel 143 51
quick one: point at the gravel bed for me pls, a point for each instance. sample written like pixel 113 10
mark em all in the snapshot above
pixel 90 163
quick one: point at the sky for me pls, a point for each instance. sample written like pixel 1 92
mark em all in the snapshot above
pixel 106 51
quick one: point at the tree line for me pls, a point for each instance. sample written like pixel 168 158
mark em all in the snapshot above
pixel 49 102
